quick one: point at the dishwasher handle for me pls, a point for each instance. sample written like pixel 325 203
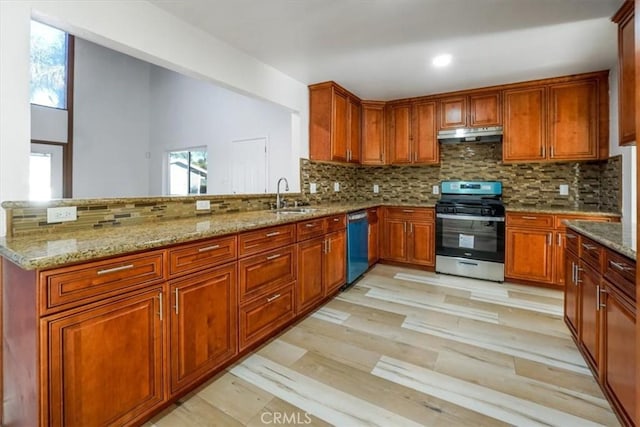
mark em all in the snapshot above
pixel 357 216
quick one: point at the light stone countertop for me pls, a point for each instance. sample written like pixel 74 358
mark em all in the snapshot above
pixel 49 250
pixel 619 237
pixel 557 211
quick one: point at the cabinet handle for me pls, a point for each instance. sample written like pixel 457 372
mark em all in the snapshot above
pixel 405 227
pixel 601 291
pixel 161 309
pixel 325 247
pixel 276 296
pixel 559 240
pixel 329 244
pixel 274 233
pixel 551 151
pixel 589 247
pixel 270 257
pixel 336 219
pixel 529 217
pixel 176 300
pixel 571 236
pixel 578 270
pixel 573 273
pixel 208 248
pixel 411 228
pixel 314 224
pixel 549 239
pixel 408 210
pixel 115 269
pixel 542 151
pixel 619 266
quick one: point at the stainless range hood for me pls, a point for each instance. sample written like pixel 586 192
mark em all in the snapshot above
pixel 488 134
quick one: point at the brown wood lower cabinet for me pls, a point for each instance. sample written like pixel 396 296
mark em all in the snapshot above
pixel 204 326
pixel 310 278
pixel 334 262
pixel 572 292
pixel 408 236
pixel 589 330
pixel 105 363
pixel 374 236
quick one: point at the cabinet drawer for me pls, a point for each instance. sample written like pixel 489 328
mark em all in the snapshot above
pixel 209 253
pixel 72 286
pixel 409 213
pixel 336 222
pixel 559 218
pixel 572 241
pixel 621 271
pixel 265 315
pixel 261 273
pixel 254 242
pixel 529 220
pixel 591 253
pixel 311 228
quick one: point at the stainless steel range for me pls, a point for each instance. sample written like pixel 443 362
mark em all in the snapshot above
pixel 470 229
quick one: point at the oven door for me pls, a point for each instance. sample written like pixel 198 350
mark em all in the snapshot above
pixel 468 236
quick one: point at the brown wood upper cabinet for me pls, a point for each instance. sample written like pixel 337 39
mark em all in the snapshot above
pixel 475 110
pixel 626 73
pixel 373 150
pixel 412 133
pixel 334 123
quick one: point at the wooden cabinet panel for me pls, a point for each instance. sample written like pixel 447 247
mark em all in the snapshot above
pixel 572 241
pixel 335 261
pixel 515 219
pixel 76 285
pixel 105 363
pixel 621 270
pixel 426 148
pixel 265 315
pixel 353 147
pixel 537 265
pixel 421 243
pixel 310 286
pixel 485 109
pixel 400 134
pixel 373 236
pixel 559 241
pixel 253 242
pixel 336 222
pixel 572 293
pixel 626 73
pixel 525 124
pixel 453 112
pixel 373 133
pixel 204 327
pixel 590 314
pixel 573 120
pixel 591 253
pixel 261 273
pixel 209 253
pixel 309 229
pixel 339 130
pixel 395 239
pixel 619 325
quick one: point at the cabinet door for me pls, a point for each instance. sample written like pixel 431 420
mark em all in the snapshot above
pixel 372 134
pixel 204 329
pixel 353 154
pixel 260 273
pixel 590 314
pixel 105 363
pixel 619 357
pixel 400 134
pixel 310 287
pixel 425 145
pixel 529 255
pixel 340 131
pixel 395 240
pixel 573 120
pixel 559 241
pixel 453 112
pixel 421 238
pixel 627 79
pixel 374 236
pixel 524 125
pixel 485 109
pixel 572 293
pixel 335 261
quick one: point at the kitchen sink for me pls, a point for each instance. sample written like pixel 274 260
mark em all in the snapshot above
pixel 295 210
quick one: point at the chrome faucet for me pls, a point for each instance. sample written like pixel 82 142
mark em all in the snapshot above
pixel 286 188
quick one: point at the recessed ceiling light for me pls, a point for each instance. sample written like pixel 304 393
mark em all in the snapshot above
pixel 442 60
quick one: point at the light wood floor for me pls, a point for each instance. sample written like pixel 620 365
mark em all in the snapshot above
pixel 411 348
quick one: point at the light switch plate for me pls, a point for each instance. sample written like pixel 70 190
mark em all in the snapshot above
pixel 376 188
pixel 436 189
pixel 203 205
pixel 336 186
pixel 62 214
pixel 564 190
pixel 313 188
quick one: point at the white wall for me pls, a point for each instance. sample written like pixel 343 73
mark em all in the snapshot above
pixel 133 27
pixel 187 113
pixel 629 175
pixel 110 123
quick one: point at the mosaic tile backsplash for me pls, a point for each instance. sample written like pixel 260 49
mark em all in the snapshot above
pixel 532 185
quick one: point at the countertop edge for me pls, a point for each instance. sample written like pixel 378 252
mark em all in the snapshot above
pixel 581 227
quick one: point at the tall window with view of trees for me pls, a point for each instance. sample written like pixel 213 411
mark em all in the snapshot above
pixel 48 66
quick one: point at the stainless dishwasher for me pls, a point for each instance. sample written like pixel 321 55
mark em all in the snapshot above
pixel 357 245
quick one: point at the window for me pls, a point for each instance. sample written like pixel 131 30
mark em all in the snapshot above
pixel 188 171
pixel 48 66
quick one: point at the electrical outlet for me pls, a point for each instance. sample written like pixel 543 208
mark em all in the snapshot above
pixel 66 213
pixel 313 188
pixel 564 190
pixel 203 205
pixel 376 188
pixel 436 189
pixel 336 186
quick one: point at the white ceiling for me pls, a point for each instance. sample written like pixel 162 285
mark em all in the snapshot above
pixel 382 49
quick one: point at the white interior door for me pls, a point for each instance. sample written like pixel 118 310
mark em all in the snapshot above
pixel 248 166
pixel 45 172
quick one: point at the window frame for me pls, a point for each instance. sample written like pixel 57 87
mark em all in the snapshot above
pixel 189 150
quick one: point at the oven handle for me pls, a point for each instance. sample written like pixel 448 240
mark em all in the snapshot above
pixel 472 217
